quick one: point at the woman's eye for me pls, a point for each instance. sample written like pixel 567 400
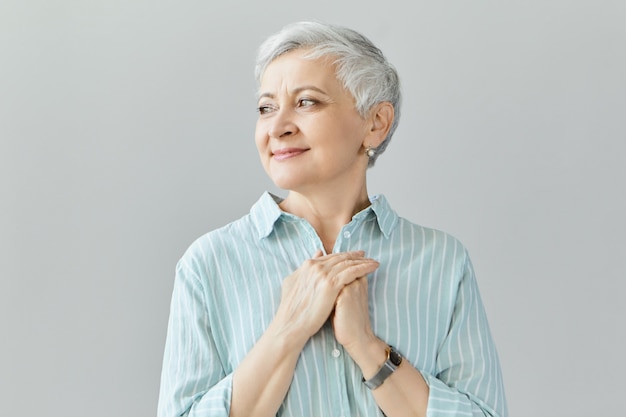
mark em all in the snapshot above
pixel 306 102
pixel 264 109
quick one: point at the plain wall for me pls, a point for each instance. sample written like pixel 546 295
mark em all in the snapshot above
pixel 126 131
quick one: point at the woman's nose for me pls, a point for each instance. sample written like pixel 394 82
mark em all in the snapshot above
pixel 282 124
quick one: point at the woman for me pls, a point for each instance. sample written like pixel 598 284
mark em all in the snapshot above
pixel 326 303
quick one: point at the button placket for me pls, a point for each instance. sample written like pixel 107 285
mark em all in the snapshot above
pixel 341 395
pixel 343 239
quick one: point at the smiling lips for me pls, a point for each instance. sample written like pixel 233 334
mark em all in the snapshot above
pixel 287 153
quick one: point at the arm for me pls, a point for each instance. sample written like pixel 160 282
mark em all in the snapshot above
pixel 193 381
pixel 469 382
pixel 262 379
pixel 405 391
pixel 469 377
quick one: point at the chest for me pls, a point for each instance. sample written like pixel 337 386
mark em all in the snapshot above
pixel 410 304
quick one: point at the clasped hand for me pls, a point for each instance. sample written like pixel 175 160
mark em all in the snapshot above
pixel 326 286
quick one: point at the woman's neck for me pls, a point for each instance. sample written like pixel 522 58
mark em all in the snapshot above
pixel 327 212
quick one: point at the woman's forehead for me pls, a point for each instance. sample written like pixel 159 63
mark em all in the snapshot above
pixel 294 70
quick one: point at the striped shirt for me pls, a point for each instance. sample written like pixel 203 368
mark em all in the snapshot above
pixel 424 301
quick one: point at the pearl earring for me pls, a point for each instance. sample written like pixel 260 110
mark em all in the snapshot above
pixel 370 152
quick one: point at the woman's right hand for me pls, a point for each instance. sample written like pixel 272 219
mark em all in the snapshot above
pixel 309 293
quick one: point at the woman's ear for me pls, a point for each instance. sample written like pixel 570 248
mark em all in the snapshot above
pixel 381 118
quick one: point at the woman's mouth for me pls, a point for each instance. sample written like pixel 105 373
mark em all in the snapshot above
pixel 287 153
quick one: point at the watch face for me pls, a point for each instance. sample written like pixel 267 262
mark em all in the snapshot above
pixel 395 357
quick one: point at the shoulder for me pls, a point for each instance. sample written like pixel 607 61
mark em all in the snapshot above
pixel 239 231
pixel 219 246
pixel 427 234
pixel 245 230
pixel 423 241
pixel 431 241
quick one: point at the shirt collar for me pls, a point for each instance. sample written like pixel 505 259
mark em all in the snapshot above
pixel 265 213
pixel 385 216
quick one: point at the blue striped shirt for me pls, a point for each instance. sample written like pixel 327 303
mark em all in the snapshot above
pixel 424 301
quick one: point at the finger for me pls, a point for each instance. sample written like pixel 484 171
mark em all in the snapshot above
pixel 351 270
pixel 359 283
pixel 346 263
pixel 365 282
pixel 348 254
pixel 335 258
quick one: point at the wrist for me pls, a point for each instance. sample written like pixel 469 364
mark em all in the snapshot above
pixel 394 360
pixel 369 355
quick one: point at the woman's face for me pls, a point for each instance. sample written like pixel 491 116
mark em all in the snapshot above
pixel 308 133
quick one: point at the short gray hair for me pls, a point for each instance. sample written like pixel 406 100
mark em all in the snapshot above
pixel 361 66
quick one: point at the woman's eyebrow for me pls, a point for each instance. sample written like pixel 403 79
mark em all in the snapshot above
pixel 308 87
pixel 296 90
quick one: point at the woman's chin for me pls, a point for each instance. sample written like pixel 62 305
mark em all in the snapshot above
pixel 285 183
pixel 291 181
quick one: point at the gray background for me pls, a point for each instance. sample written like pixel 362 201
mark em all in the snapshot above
pixel 126 132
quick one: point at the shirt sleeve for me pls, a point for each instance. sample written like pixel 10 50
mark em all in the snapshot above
pixel 193 381
pixel 469 380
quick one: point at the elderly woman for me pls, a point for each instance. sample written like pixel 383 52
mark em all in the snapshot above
pixel 326 302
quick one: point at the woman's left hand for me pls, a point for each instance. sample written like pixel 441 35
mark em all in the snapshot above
pixel 351 319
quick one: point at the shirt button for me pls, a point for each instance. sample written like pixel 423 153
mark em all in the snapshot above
pixel 347 234
pixel 336 353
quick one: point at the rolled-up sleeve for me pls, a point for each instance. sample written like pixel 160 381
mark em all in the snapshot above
pixel 193 381
pixel 469 380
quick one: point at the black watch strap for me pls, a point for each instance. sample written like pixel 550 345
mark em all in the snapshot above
pixel 391 364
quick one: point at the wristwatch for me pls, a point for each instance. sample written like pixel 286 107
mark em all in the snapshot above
pixel 394 359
